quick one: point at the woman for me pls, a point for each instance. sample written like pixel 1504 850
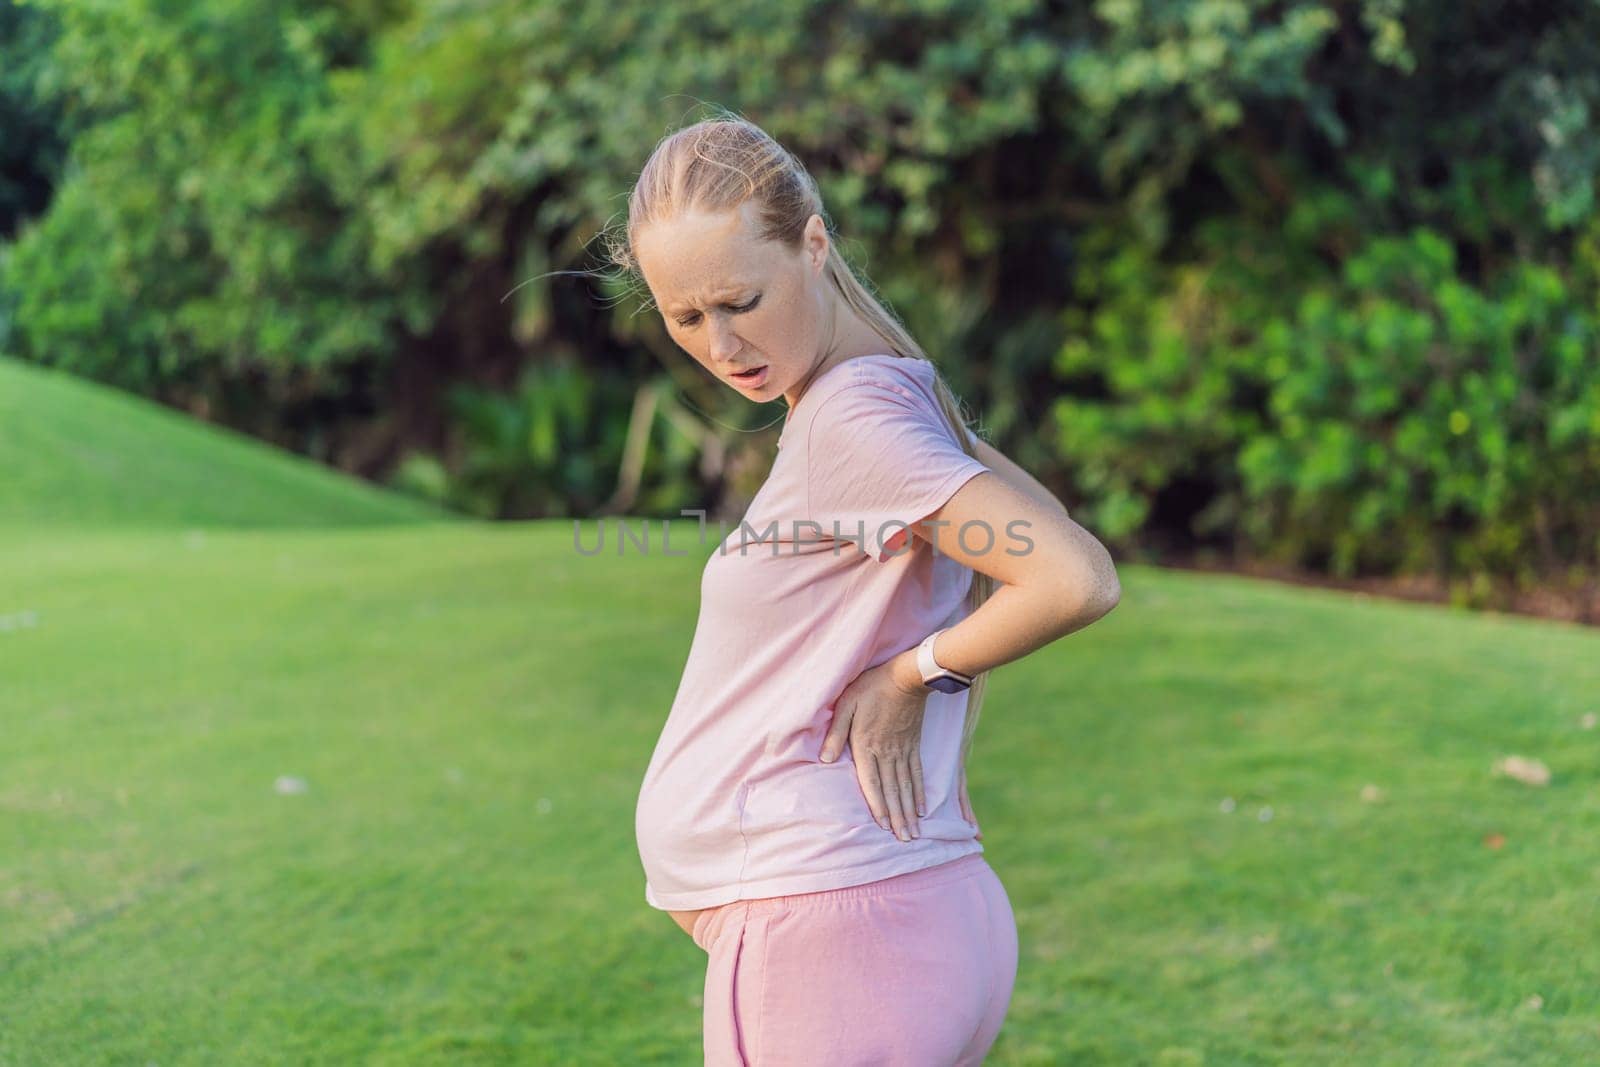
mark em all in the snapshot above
pixel 804 816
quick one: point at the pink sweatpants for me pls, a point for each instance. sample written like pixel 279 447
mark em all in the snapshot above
pixel 911 971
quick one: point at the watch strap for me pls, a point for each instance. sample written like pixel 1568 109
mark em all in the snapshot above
pixel 929 667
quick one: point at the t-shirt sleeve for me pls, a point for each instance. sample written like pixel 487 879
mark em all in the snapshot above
pixel 881 458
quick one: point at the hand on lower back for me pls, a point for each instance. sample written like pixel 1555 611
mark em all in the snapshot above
pixel 883 725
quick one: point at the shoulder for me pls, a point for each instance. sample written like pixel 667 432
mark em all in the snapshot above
pixel 875 386
pixel 879 414
pixel 904 374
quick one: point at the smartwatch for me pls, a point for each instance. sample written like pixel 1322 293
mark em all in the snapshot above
pixel 934 676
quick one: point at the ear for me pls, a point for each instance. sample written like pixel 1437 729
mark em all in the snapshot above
pixel 816 243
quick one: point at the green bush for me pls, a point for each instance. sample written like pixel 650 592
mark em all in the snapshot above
pixel 549 447
pixel 1378 414
pixel 1313 279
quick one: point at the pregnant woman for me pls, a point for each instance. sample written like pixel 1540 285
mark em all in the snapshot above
pixel 804 816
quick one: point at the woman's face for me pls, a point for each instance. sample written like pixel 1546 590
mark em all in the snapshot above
pixel 737 303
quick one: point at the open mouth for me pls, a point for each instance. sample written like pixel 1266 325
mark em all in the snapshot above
pixel 754 376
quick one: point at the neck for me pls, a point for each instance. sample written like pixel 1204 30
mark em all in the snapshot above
pixel 845 341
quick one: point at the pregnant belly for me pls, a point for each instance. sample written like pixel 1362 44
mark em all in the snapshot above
pixel 689 836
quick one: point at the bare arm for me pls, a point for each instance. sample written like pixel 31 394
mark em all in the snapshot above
pixel 1002 465
pixel 1054 576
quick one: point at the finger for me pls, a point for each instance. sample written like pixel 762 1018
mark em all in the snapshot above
pixel 867 775
pixel 918 794
pixel 891 795
pixel 908 796
pixel 833 740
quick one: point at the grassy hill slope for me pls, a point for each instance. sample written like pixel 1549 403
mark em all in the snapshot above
pixel 79 453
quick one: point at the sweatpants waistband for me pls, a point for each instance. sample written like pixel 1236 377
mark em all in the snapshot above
pixel 709 923
pixel 926 878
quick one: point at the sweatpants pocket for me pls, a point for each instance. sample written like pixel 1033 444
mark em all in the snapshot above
pixel 731 990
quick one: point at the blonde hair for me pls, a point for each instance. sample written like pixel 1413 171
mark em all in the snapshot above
pixel 716 166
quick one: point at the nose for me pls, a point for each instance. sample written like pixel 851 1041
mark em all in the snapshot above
pixel 725 344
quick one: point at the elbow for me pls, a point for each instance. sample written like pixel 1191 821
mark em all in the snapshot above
pixel 1091 596
pixel 1107 586
pixel 1107 594
pixel 1113 597
pixel 1110 585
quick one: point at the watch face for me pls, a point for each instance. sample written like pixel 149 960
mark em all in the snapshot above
pixel 946 684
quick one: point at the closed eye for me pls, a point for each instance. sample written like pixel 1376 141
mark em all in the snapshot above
pixel 690 320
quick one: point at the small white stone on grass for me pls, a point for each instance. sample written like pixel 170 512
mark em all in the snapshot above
pixel 1265 813
pixel 1588 720
pixel 1227 804
pixel 287 785
pixel 1523 769
pixel 1371 794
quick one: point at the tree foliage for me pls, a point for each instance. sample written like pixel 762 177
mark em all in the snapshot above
pixel 1220 270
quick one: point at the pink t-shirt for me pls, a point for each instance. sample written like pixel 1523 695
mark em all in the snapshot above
pixel 736 803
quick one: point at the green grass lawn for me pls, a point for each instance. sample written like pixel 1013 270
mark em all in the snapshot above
pixel 1173 798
